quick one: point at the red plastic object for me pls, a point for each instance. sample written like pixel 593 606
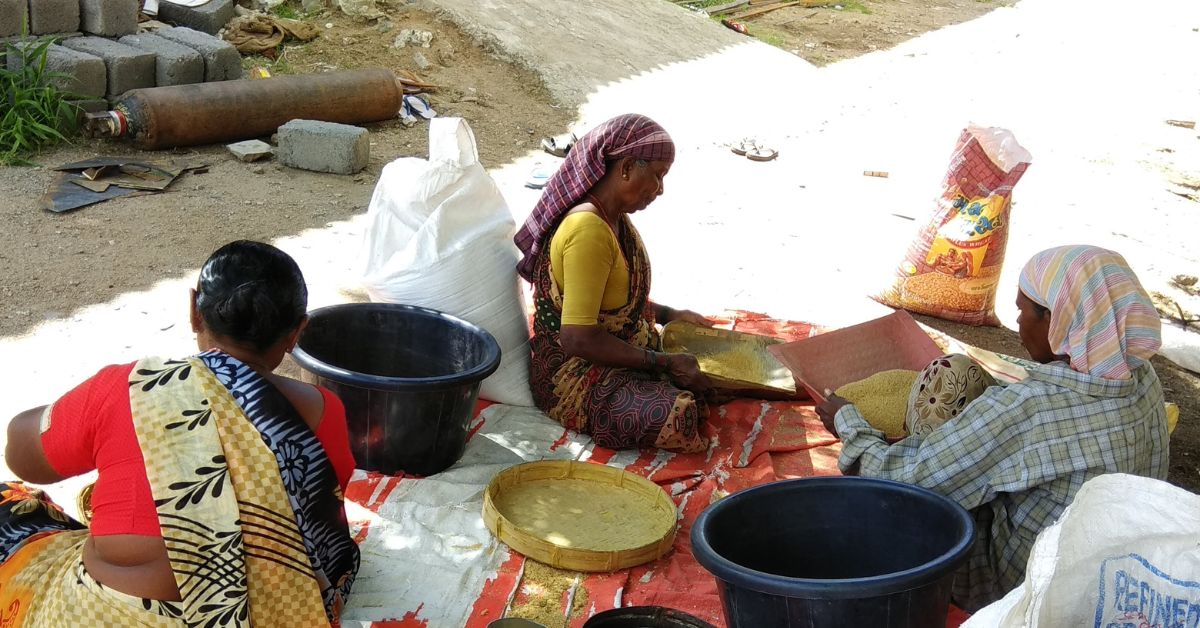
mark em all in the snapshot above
pixel 737 26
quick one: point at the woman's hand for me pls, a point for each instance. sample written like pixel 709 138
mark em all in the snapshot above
pixel 664 315
pixel 684 370
pixel 828 410
pixel 689 316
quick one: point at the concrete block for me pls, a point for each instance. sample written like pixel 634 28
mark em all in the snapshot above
pixel 110 18
pixel 91 105
pixel 13 15
pixel 222 62
pixel 324 146
pixel 53 16
pixel 209 17
pixel 177 64
pixel 128 67
pixel 85 74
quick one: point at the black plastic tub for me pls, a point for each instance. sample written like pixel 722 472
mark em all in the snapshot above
pixel 409 378
pixel 833 552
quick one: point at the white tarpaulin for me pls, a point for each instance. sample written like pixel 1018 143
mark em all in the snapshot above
pixel 423 542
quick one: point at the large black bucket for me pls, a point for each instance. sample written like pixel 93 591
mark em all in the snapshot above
pixel 409 377
pixel 834 552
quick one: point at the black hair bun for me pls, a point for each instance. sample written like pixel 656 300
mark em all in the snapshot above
pixel 252 293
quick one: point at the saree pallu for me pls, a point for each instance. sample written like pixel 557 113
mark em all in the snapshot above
pixel 620 408
pixel 248 504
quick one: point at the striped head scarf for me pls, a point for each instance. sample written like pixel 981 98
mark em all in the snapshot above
pixel 629 135
pixel 1099 313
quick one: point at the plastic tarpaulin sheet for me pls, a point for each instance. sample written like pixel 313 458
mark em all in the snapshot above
pixel 429 561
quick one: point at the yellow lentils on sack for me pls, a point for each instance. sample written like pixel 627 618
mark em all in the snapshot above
pixel 882 399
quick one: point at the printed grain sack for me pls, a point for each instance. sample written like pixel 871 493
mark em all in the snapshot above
pixel 952 267
pixel 1122 555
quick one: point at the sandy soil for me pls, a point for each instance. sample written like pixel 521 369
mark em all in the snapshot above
pixel 54 264
pixel 824 35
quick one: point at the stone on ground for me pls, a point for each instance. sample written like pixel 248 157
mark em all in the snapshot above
pixel 324 146
pixel 251 150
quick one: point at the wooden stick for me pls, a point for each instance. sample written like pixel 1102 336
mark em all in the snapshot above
pixel 766 9
pixel 726 7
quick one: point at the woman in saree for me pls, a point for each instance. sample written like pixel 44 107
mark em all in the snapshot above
pixel 219 493
pixel 1016 455
pixel 597 363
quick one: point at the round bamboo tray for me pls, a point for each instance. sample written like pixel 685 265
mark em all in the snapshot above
pixel 635 491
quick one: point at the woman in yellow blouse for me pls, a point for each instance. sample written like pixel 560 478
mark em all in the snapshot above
pixel 597 361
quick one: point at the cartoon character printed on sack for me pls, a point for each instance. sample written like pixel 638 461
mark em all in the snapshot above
pixel 961 243
pixel 1137 594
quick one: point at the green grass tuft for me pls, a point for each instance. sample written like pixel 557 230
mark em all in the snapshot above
pixel 856 6
pixel 287 11
pixel 765 36
pixel 290 9
pixel 35 114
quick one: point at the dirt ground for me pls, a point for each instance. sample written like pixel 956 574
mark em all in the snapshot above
pixel 54 264
pixel 824 35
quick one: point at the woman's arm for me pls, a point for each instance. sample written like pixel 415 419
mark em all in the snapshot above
pixel 594 344
pixel 24 453
pixel 963 459
pixel 58 441
pixel 664 315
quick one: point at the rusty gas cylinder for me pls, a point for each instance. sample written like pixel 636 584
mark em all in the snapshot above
pixel 226 111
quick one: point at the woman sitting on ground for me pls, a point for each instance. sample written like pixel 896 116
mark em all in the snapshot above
pixel 1015 455
pixel 597 362
pixel 219 498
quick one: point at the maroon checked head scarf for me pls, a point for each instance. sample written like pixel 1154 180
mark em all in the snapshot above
pixel 629 135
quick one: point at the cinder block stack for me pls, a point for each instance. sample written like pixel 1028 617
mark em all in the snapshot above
pixel 100 49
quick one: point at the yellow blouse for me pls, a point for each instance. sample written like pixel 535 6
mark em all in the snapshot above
pixel 588 267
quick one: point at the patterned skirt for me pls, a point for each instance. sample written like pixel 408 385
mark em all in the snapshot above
pixel 44 576
pixel 618 408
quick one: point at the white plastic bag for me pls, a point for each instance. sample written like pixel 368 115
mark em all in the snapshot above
pixel 440 236
pixel 1125 554
pixel 1180 346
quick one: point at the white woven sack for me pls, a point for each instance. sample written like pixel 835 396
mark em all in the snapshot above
pixel 1124 554
pixel 440 236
